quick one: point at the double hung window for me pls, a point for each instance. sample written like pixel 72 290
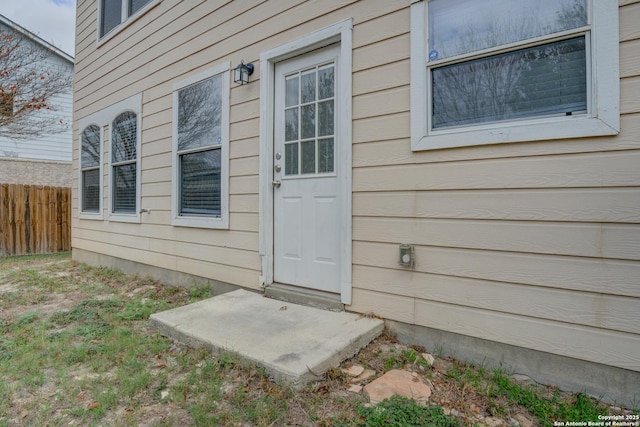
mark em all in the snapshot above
pixel 512 70
pixel 90 161
pixel 124 148
pixel 115 12
pixel 201 150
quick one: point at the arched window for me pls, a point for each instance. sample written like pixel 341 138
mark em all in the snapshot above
pixel 124 146
pixel 90 160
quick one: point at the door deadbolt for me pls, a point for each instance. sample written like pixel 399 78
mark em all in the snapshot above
pixel 277 168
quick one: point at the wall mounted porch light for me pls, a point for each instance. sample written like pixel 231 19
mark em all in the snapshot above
pixel 242 72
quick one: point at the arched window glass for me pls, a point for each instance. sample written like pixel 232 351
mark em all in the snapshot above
pixel 90 159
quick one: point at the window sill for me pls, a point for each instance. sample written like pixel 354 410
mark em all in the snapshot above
pixel 501 133
pixel 201 222
pixel 132 218
pixel 91 216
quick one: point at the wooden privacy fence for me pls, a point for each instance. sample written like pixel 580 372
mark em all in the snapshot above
pixel 34 219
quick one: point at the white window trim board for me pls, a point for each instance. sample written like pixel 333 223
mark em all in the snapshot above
pixel 195 221
pixel 338 32
pixel 604 93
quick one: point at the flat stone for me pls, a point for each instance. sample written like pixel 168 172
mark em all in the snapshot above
pixel 428 358
pixel 368 373
pixel 399 382
pixel 355 388
pixel 354 371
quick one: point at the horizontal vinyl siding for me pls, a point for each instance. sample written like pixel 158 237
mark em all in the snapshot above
pixel 534 244
pixel 53 146
pixel 169 43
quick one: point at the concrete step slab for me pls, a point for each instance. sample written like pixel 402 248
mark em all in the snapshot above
pixel 295 344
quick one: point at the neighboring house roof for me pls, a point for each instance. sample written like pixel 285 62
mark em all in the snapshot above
pixel 62 54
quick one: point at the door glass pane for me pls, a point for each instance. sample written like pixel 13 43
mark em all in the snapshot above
pixel 291 159
pixel 291 124
pixel 291 91
pixel 461 26
pixel 309 86
pixel 308 157
pixel 124 188
pixel 325 118
pixel 200 183
pixel 309 114
pixel 308 121
pixel 544 80
pixel 325 155
pixel 326 82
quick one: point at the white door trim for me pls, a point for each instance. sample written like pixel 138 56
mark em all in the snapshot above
pixel 340 32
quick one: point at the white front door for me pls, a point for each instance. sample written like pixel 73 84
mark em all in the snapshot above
pixel 307 200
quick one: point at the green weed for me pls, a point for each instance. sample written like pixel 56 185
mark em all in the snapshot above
pixel 400 411
pixel 199 291
pixel 546 408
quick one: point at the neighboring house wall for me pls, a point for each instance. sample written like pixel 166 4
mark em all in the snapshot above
pixel 52 153
pixel 35 172
pixel 533 245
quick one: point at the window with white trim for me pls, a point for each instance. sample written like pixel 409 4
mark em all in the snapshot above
pixel 90 171
pixel 124 164
pixel 201 122
pixel 112 13
pixel 512 70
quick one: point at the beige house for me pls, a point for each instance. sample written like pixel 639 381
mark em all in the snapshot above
pixel 470 172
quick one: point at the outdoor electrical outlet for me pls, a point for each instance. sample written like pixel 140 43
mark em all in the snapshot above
pixel 407 255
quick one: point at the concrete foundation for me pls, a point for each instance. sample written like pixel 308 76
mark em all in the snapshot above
pixel 608 383
pixel 170 277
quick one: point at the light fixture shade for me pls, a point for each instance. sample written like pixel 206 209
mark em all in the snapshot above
pixel 242 72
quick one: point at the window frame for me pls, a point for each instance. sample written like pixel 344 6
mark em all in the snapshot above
pixel 603 93
pixel 84 124
pixel 134 105
pixel 124 163
pixel 203 221
pixel 125 18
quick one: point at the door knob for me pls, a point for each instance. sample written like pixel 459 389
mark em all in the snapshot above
pixel 276 184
